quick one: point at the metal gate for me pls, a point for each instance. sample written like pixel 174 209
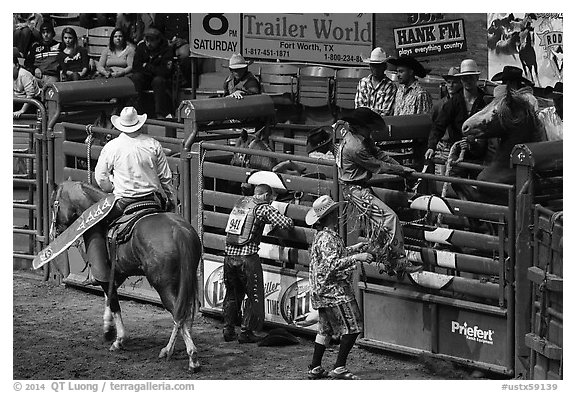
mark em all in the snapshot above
pixel 30 182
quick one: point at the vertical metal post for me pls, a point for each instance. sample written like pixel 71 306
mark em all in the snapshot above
pixel 510 283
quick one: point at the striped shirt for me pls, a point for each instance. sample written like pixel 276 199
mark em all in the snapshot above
pixel 412 100
pixel 269 215
pixel 379 98
pixel 133 167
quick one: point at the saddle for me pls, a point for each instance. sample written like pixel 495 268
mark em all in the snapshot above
pixel 120 230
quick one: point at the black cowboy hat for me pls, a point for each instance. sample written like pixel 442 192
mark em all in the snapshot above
pixel 366 117
pixel 410 62
pixel 319 139
pixel 511 73
pixel 278 338
pixel 557 90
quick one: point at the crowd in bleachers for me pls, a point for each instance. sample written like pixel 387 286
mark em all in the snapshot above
pixel 154 52
pixel 71 47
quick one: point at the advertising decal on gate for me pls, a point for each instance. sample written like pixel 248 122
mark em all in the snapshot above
pixel 344 39
pixel 286 296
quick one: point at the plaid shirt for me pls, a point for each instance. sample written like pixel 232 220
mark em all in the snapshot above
pixel 379 98
pixel 269 215
pixel 330 270
pixel 412 100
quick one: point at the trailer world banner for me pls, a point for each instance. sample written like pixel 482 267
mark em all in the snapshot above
pixel 430 39
pixel 344 39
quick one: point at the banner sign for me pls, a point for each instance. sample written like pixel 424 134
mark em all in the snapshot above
pixel 344 39
pixel 215 35
pixel 431 39
pixel 286 296
pixel 531 41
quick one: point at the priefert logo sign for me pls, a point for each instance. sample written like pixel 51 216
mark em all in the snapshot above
pixel 473 333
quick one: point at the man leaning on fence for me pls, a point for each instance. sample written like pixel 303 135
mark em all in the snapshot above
pixel 242 267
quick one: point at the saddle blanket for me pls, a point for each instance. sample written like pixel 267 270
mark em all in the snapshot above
pixel 91 216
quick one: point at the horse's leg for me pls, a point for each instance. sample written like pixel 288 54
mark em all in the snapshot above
pixel 193 362
pixel 168 350
pixel 114 306
pixel 108 326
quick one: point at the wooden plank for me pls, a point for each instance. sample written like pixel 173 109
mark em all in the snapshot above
pixel 553 282
pixel 293 183
pixel 267 250
pixel 222 199
pixel 543 346
pixel 298 234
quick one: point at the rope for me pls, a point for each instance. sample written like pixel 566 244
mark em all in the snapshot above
pixel 201 158
pixel 89 140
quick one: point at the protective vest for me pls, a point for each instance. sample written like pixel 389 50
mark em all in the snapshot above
pixel 243 226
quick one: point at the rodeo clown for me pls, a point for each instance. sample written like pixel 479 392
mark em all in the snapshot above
pixel 358 158
pixel 331 286
pixel 242 267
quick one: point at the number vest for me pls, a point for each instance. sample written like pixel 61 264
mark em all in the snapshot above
pixel 243 227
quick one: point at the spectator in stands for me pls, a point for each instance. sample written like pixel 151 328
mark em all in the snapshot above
pixel 240 82
pixel 331 276
pixel 73 58
pixel 242 266
pixel 452 116
pixel 132 26
pixel 152 68
pixel 42 59
pixel 26 31
pixel 116 60
pixel 552 117
pixel 176 28
pixel 25 86
pixel 358 159
pixel 377 91
pixel 411 98
pixel 90 21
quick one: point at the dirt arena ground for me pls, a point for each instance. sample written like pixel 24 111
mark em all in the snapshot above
pixel 57 335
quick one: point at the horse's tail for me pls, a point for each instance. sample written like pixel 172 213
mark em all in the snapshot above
pixel 190 252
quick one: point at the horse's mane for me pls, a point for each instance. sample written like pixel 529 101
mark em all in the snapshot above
pixel 515 111
pixel 92 192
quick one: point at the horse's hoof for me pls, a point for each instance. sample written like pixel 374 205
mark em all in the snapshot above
pixel 110 335
pixel 195 369
pixel 164 353
pixel 116 346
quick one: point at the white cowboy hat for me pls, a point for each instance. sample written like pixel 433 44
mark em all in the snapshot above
pixel 378 56
pixel 129 120
pixel 237 61
pixel 321 207
pixel 266 177
pixel 468 67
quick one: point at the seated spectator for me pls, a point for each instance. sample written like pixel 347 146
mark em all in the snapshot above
pixel 25 86
pixel 26 31
pixel 42 60
pixel 90 21
pixel 240 82
pixel 552 117
pixel 73 58
pixel 132 26
pixel 116 60
pixel 176 29
pixel 152 68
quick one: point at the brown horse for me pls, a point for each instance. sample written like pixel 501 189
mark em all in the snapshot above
pixel 163 247
pixel 512 118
